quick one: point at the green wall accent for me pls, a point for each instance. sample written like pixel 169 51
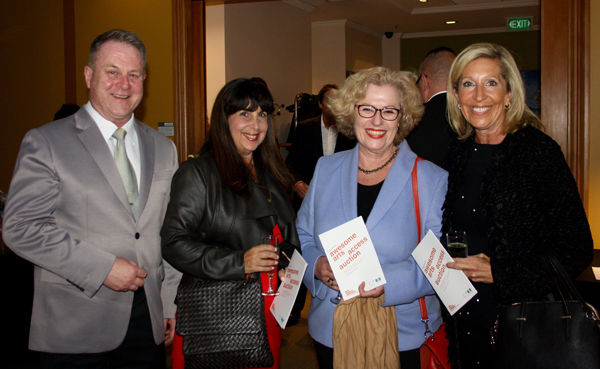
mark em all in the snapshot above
pixel 525 46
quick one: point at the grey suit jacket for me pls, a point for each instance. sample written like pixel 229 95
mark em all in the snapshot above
pixel 67 212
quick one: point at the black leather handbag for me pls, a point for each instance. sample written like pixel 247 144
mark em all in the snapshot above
pixel 223 325
pixel 563 333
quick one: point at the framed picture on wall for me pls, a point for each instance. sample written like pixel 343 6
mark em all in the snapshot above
pixel 531 79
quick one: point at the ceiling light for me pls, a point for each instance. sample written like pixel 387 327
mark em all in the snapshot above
pixel 423 1
pixel 450 22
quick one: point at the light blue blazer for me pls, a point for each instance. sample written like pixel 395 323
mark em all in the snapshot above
pixel 331 201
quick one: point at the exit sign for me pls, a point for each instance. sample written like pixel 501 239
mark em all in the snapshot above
pixel 518 24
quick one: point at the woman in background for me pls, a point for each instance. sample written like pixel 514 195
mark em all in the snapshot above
pixel 511 190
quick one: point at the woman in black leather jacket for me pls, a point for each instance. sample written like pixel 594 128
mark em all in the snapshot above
pixel 226 199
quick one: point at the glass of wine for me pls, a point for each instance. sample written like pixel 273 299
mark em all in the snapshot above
pixel 457 244
pixel 274 241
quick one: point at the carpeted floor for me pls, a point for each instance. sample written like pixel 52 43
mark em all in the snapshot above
pixel 297 350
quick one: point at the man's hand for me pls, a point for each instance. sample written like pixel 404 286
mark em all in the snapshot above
pixel 125 275
pixel 301 189
pixel 169 331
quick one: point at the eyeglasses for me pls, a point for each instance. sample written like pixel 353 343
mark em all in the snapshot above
pixel 421 75
pixel 368 111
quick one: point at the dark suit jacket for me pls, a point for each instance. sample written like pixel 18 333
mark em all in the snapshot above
pixel 431 138
pixel 307 148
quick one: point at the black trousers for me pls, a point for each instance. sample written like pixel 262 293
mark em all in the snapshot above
pixel 474 345
pixel 408 359
pixel 137 351
pixel 300 301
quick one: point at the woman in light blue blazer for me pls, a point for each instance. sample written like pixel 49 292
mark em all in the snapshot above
pixel 378 107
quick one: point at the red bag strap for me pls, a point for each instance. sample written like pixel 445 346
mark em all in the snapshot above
pixel 415 188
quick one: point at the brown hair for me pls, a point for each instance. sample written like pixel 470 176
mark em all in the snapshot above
pixel 236 95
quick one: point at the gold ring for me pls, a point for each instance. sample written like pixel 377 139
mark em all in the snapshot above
pixel 330 282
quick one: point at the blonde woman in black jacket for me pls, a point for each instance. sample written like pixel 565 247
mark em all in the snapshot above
pixel 511 190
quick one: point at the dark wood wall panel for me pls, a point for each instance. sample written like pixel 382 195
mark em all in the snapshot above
pixel 70 53
pixel 565 82
pixel 189 68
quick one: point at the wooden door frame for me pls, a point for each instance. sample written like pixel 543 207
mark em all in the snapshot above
pixel 565 80
pixel 189 76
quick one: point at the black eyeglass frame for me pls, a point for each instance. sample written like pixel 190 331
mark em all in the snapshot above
pixel 398 111
pixel 420 76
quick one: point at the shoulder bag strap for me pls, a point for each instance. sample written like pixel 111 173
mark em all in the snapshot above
pixel 415 188
pixel 567 283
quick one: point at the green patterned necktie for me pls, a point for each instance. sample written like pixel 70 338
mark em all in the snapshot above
pixel 126 170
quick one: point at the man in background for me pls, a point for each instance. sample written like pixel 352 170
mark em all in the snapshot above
pixel 431 138
pixel 85 205
pixel 314 137
pixel 66 110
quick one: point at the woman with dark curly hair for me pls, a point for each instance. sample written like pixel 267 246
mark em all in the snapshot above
pixel 511 190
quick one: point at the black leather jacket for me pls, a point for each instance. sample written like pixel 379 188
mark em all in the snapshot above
pixel 208 228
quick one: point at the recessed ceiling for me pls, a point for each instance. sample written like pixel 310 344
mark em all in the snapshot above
pixel 412 18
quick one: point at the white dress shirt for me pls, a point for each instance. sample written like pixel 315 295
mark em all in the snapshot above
pixel 107 128
pixel 329 137
pixel 434 95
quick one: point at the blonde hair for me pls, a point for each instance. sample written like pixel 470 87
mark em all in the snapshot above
pixel 342 102
pixel 518 115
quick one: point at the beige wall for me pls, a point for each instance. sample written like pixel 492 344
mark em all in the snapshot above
pixel 32 77
pixel 270 40
pixel 363 50
pixel 594 184
pixel 215 53
pixel 151 20
pixel 391 51
pixel 328 53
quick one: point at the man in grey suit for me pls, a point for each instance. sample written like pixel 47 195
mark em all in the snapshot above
pixel 85 205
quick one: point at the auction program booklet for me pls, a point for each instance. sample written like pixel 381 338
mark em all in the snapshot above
pixel 451 285
pixel 288 290
pixel 352 257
